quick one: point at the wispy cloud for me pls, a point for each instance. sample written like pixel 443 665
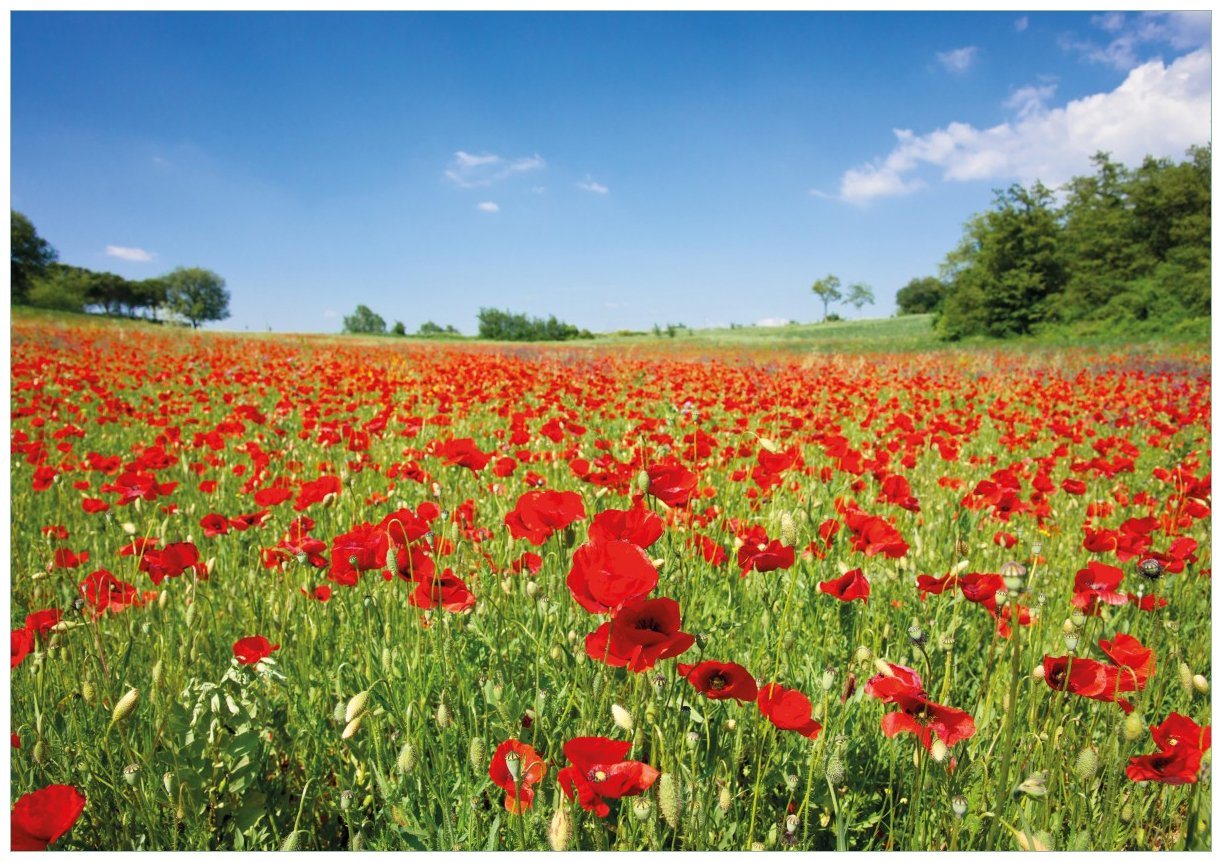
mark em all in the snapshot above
pixel 589 185
pixel 1159 109
pixel 958 60
pixel 137 255
pixel 1132 40
pixel 1020 24
pixel 330 314
pixel 488 207
pixel 469 171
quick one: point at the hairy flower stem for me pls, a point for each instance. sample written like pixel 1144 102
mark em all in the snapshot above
pixel 1007 747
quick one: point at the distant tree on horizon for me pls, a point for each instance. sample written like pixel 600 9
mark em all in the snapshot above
pixel 921 295
pixel 196 295
pixel 859 295
pixel 31 256
pixel 364 321
pixel 828 290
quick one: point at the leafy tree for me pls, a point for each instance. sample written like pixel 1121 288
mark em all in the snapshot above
pixel 859 295
pixel 31 255
pixel 920 296
pixel 197 295
pixel 507 326
pixel 151 294
pixel 61 287
pixel 828 290
pixel 364 321
pixel 398 328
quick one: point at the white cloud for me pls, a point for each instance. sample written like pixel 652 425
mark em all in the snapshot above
pixel 470 171
pixel 1134 40
pixel 1021 23
pixel 330 314
pixel 589 185
pixel 137 255
pixel 1158 110
pixel 488 207
pixel 958 60
pixel 772 321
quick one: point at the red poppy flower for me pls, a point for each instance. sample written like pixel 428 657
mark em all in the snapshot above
pixel 764 557
pixel 1182 743
pixel 851 585
pixel 1097 583
pixel 673 484
pixel 316 492
pixel 105 593
pixel 463 453
pixel 41 622
pixel 599 772
pixel 1129 670
pixel 720 680
pixel 41 817
pixel 515 767
pixel 446 590
pixel 606 575
pixel 22 642
pixel 253 650
pixel 320 593
pixel 538 514
pixel 788 709
pixel 918 714
pixel 1136 661
pixel 637 525
pixel 640 635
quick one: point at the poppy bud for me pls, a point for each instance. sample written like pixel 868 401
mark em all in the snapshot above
pixel 190 618
pixel 163 599
pixel 1037 673
pixel 129 528
pixel 167 781
pixel 1200 683
pixel 386 659
pixel 834 769
pixel 1133 727
pixel 1087 763
pixel 883 668
pixel 789 533
pixel 292 843
pixel 356 705
pixel 668 799
pixel 507 586
pixel 406 760
pixel 642 808
pixel 1126 813
pixel 337 714
pixel 532 589
pixel 621 718
pixel 958 804
pixel 1079 842
pixel 125 707
pixel 1035 785
pixel 477 754
pixel 1185 677
pixel 131 774
pixel 40 751
pixel 724 800
pixel 642 481
pixel 863 654
pixel 938 751
pixel 352 727
pixel 443 715
pixel 158 669
pixel 88 692
pixel 560 831
pixel 731 724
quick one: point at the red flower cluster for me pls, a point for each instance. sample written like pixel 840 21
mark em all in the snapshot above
pixel 1181 745
pixel 538 514
pixel 918 714
pixel 599 772
pixel 1128 669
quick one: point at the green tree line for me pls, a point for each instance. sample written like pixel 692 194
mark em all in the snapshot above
pixel 190 294
pixel 1120 246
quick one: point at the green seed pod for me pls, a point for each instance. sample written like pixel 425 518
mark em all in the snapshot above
pixel 958 804
pixel 386 660
pixel 724 800
pixel 337 714
pixel 125 707
pixel 292 843
pixel 791 782
pixel 758 847
pixel 478 755
pixel 131 774
pixel 406 760
pixel 560 831
pixel 40 752
pixel 642 482
pixel 352 727
pixel 190 618
pixel 835 768
pixel 345 800
pixel 1126 813
pixel 1087 763
pixel 1133 727
pixel 167 781
pixel 88 692
pixel 356 706
pixel 642 808
pixel 668 799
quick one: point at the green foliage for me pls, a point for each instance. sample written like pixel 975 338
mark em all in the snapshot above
pixel 398 328
pixel 921 296
pixel 430 328
pixel 31 256
pixel 197 295
pixel 859 295
pixel 61 287
pixel 364 321
pixel 828 290
pixel 507 326
pixel 1124 246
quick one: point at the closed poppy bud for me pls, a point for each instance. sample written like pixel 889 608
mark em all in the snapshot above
pixel 125 707
pixel 668 799
pixel 40 751
pixel 1201 684
pixel 1037 673
pixel 163 599
pixel 724 799
pixel 959 805
pixel 1087 763
pixel 443 715
pixel 356 705
pixel 863 654
pixel 938 751
pixel 406 760
pixel 352 727
pixel 789 533
pixel 477 754
pixel 1133 727
pixel 158 667
pixel 834 769
pixel 337 714
pixel 88 692
pixel 560 830
pixel 190 617
pixel 292 843
pixel 621 717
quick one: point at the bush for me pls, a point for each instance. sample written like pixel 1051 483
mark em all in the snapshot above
pixel 364 321
pixel 507 326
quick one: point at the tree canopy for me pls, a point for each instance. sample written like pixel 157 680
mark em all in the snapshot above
pixel 31 256
pixel 364 321
pixel 197 295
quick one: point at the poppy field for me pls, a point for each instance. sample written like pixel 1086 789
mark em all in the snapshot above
pixel 273 593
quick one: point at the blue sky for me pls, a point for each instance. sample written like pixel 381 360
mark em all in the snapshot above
pixel 617 170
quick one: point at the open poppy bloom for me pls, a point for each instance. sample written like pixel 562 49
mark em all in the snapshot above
pixel 720 680
pixel 918 714
pixel 539 514
pixel 42 817
pixel 1129 670
pixel 599 772
pixel 640 635
pixel 253 650
pixel 673 484
pixel 851 585
pixel 515 767
pixel 22 642
pixel 607 575
pixel 788 709
pixel 105 593
pixel 764 557
pixel 1181 743
pixel 637 525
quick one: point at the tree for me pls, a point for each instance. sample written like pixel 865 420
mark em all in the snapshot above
pixel 31 255
pixel 921 296
pixel 398 328
pixel 364 321
pixel 859 295
pixel 828 290
pixel 61 287
pixel 197 295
